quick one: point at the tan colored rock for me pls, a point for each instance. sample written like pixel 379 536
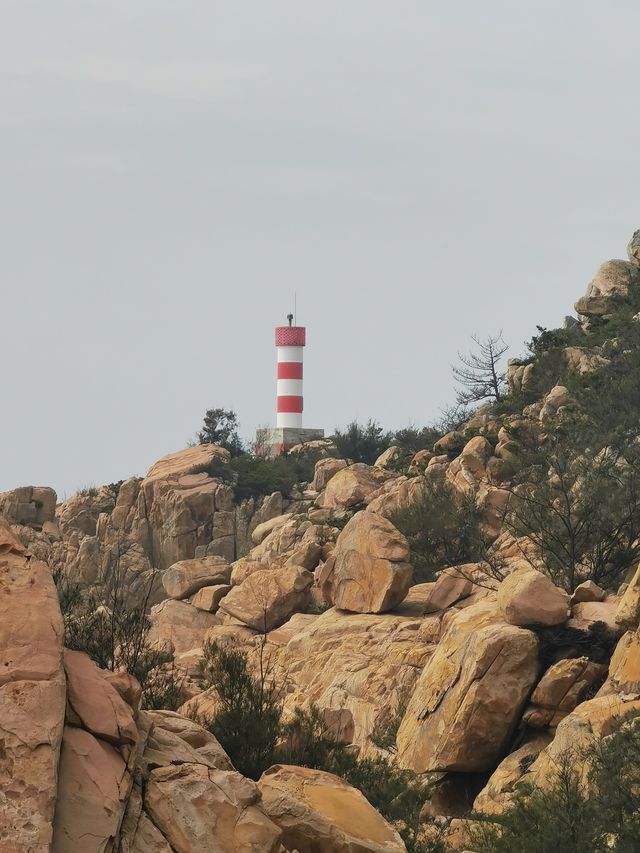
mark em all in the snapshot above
pixel 241 569
pixel 469 696
pixel 209 597
pixel 420 461
pixel 201 458
pixel 556 398
pixel 527 597
pixel 608 289
pixel 369 568
pixel 32 506
pixel 186 577
pixel 633 248
pixel 628 612
pixel 175 739
pixel 267 527
pixel 127 686
pixel 563 686
pixel 325 470
pixel 397 493
pixel 177 626
pixel 95 704
pixel 147 838
pixel 624 667
pixel 320 813
pixel 351 486
pixel 267 599
pixel 32 696
pixel 588 612
pixel 198 809
pixel 452 585
pixel 497 793
pixel 587 591
pixel 449 444
pixel 388 458
pixel 93 788
pixel 79 514
pixel 357 668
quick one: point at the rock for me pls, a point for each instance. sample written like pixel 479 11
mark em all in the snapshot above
pixel 351 486
pixel 387 459
pixel 528 597
pixel 563 686
pixel 398 493
pixel 587 591
pixel 175 739
pixel 320 812
pixel 199 809
pixel 450 444
pixel 267 527
pixel 325 469
pixel 628 612
pixel 184 578
pixel 556 398
pixel 265 600
pixel 241 569
pixel 210 597
pixel 624 667
pixel 177 626
pixel 79 514
pixel 95 704
pixel 585 614
pixel 633 249
pixel 420 461
pixel 199 459
pixel 92 791
pixel 147 838
pixel 452 585
pixel 608 289
pixel 497 793
pixel 469 696
pixel 32 506
pixel 127 686
pixel 358 669
pixel 369 570
pixel 32 697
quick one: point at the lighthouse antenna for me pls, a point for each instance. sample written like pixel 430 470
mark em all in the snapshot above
pixel 295 307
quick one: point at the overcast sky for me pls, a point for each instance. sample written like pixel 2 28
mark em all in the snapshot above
pixel 171 172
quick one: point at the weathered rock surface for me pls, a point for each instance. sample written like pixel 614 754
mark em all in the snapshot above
pixel 32 697
pixel 325 470
pixel 186 577
pixel 177 626
pixel 628 611
pixel 200 809
pixel 497 793
pixel 587 591
pixel 469 696
pixel 320 813
pixel 563 686
pixel 32 506
pixel 350 486
pixel 527 597
pixel 369 570
pixel 266 599
pixel 608 289
pixel 209 597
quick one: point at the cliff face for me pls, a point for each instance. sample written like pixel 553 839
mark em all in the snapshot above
pixel 479 676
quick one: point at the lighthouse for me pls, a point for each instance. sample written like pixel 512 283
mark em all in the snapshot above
pixel 290 342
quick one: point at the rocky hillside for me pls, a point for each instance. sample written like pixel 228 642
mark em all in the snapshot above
pixel 449 623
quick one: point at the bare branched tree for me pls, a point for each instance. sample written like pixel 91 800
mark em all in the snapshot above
pixel 480 372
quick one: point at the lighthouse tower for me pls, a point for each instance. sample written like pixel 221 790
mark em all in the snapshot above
pixel 290 343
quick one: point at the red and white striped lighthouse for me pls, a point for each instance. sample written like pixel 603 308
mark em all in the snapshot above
pixel 290 342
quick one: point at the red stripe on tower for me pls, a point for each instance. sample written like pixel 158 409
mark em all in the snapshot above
pixel 289 403
pixel 289 370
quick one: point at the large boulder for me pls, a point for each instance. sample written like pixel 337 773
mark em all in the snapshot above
pixel 199 459
pixel 633 249
pixel 563 686
pixel 351 486
pixel 527 597
pixel 369 570
pixel 186 577
pixel 92 793
pixel 624 667
pixel 498 792
pixel 325 470
pixel 200 809
pixel 469 696
pixel 32 697
pixel 32 506
pixel 628 611
pixel 608 289
pixel 321 813
pixel 266 599
pixel 178 627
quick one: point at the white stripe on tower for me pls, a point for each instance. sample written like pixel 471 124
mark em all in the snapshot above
pixel 290 341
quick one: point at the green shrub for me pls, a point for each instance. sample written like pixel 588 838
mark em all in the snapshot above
pixel 569 815
pixel 362 443
pixel 256 476
pixel 443 529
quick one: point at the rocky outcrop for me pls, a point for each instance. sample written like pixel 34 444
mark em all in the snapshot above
pixel 497 793
pixel 266 599
pixel 609 289
pixel 563 686
pixel 32 697
pixel 188 576
pixel 32 506
pixel 628 610
pixel 369 570
pixel 469 696
pixel 178 627
pixel 325 469
pixel 351 486
pixel 320 813
pixel 527 597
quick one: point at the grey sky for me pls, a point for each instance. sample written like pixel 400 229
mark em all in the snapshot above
pixel 172 171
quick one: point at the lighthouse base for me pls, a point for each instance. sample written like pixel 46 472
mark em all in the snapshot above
pixel 273 442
